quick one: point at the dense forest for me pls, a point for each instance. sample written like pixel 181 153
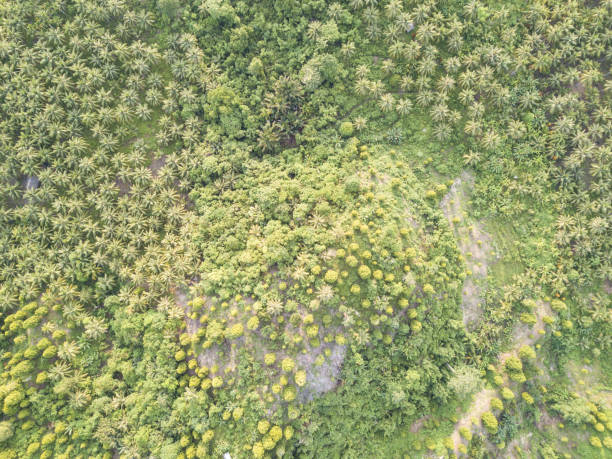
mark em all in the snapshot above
pixel 305 228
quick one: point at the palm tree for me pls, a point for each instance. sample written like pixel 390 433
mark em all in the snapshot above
pixel 446 84
pixel 424 97
pixel 472 158
pixel 439 112
pixel 348 49
pixel 335 11
pixel 362 71
pixel 404 106
pixel 314 30
pixel 386 102
pixel 268 137
pixel 491 140
pixel 393 8
pixel 377 87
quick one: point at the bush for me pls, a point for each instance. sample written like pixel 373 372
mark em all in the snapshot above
pixel 507 394
pixel 528 318
pixel 346 129
pixel 518 376
pixel 276 433
pixel 6 430
pixel 513 364
pixel 490 422
pixel 575 411
pixel 558 305
pixel 235 331
pixel 595 442
pixel 331 276
pixel 289 394
pixel 526 352
pixel 465 381
pixel 364 272
pixel 253 323
pixel 287 364
pixel 258 450
pixel 497 404
pixel 465 433
pixel 300 378
pixel 528 398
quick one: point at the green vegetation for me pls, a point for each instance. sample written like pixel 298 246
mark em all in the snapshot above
pixel 362 228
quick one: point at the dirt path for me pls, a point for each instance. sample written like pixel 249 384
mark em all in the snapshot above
pixel 480 404
pixel 524 334
pixel 473 242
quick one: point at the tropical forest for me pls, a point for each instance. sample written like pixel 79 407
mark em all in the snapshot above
pixel 317 229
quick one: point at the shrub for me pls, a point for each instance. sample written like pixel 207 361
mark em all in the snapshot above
pixel 50 352
pixel 253 323
pixel 530 303
pixel 268 443
pixel 346 129
pixel 507 394
pixel 528 318
pixel 428 288
pixel 312 331
pixel 465 433
pixel 47 439
pixel 276 433
pixel 300 378
pixel 528 398
pixel 6 430
pixel 331 276
pixel 490 422
pixel 289 394
pixel 33 447
pixel 558 305
pixel 513 364
pixel 263 426
pixel 595 442
pixel 497 404
pixel 465 381
pixel 287 364
pixel 526 352
pixel 235 331
pixel 258 450
pixel 364 272
pixel 237 413
pixel 269 359
pixel 518 376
